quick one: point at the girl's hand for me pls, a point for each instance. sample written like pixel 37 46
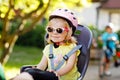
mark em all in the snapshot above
pixel 34 66
pixel 57 75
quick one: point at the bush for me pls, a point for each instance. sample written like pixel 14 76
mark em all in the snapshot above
pixel 1 24
pixel 118 34
pixel 34 37
pixel 96 33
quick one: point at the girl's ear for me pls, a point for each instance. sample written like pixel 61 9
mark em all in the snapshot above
pixel 69 33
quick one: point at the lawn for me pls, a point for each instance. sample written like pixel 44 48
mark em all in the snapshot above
pixel 21 56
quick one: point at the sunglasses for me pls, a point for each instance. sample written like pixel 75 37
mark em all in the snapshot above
pixel 58 30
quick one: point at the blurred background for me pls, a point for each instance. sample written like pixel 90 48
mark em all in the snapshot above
pixel 22 30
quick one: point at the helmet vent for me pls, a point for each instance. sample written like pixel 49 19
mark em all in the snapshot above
pixel 72 13
pixel 59 9
pixel 74 18
pixel 66 10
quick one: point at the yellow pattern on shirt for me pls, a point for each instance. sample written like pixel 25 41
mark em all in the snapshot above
pixel 58 55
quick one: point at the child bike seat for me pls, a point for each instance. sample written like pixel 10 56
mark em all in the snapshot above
pixel 84 38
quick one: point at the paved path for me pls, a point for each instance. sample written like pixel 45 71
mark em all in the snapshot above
pixel 92 73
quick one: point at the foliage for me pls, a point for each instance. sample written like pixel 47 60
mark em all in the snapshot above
pixel 14 17
pixel 34 37
pixel 23 7
pixel 118 34
pixel 70 3
pixel 20 7
pixel 74 5
pixel 96 33
pixel 15 14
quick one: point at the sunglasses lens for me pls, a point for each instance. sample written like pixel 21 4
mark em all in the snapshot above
pixel 50 29
pixel 59 30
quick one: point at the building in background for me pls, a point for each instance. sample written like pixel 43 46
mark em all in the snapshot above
pixel 100 13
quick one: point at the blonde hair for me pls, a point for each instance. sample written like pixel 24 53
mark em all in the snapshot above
pixel 69 38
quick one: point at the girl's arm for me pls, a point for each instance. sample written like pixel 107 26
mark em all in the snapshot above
pixel 43 63
pixel 69 65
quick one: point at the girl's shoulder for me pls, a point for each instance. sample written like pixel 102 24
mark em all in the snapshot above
pixel 73 45
pixel 69 46
pixel 46 48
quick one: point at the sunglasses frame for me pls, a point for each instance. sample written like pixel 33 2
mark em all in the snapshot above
pixel 56 30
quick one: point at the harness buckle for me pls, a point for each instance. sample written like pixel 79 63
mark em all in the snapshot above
pixel 65 57
pixel 51 56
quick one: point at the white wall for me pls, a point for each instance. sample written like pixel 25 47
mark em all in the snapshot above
pixel 87 15
pixel 115 19
pixel 103 19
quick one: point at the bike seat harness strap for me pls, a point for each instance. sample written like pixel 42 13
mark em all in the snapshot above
pixel 65 57
pixel 51 56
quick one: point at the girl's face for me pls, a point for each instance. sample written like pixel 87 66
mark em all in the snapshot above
pixel 109 30
pixel 57 30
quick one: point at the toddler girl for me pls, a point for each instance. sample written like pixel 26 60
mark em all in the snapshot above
pixel 60 30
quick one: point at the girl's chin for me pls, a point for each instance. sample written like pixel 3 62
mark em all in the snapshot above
pixel 55 41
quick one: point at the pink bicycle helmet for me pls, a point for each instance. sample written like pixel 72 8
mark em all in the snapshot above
pixel 65 14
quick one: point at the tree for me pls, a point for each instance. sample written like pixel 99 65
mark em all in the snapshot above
pixel 21 11
pixel 14 15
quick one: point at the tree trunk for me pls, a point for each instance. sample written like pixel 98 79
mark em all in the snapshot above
pixel 8 41
pixel 8 47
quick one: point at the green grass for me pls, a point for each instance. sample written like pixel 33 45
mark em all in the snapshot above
pixel 21 56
